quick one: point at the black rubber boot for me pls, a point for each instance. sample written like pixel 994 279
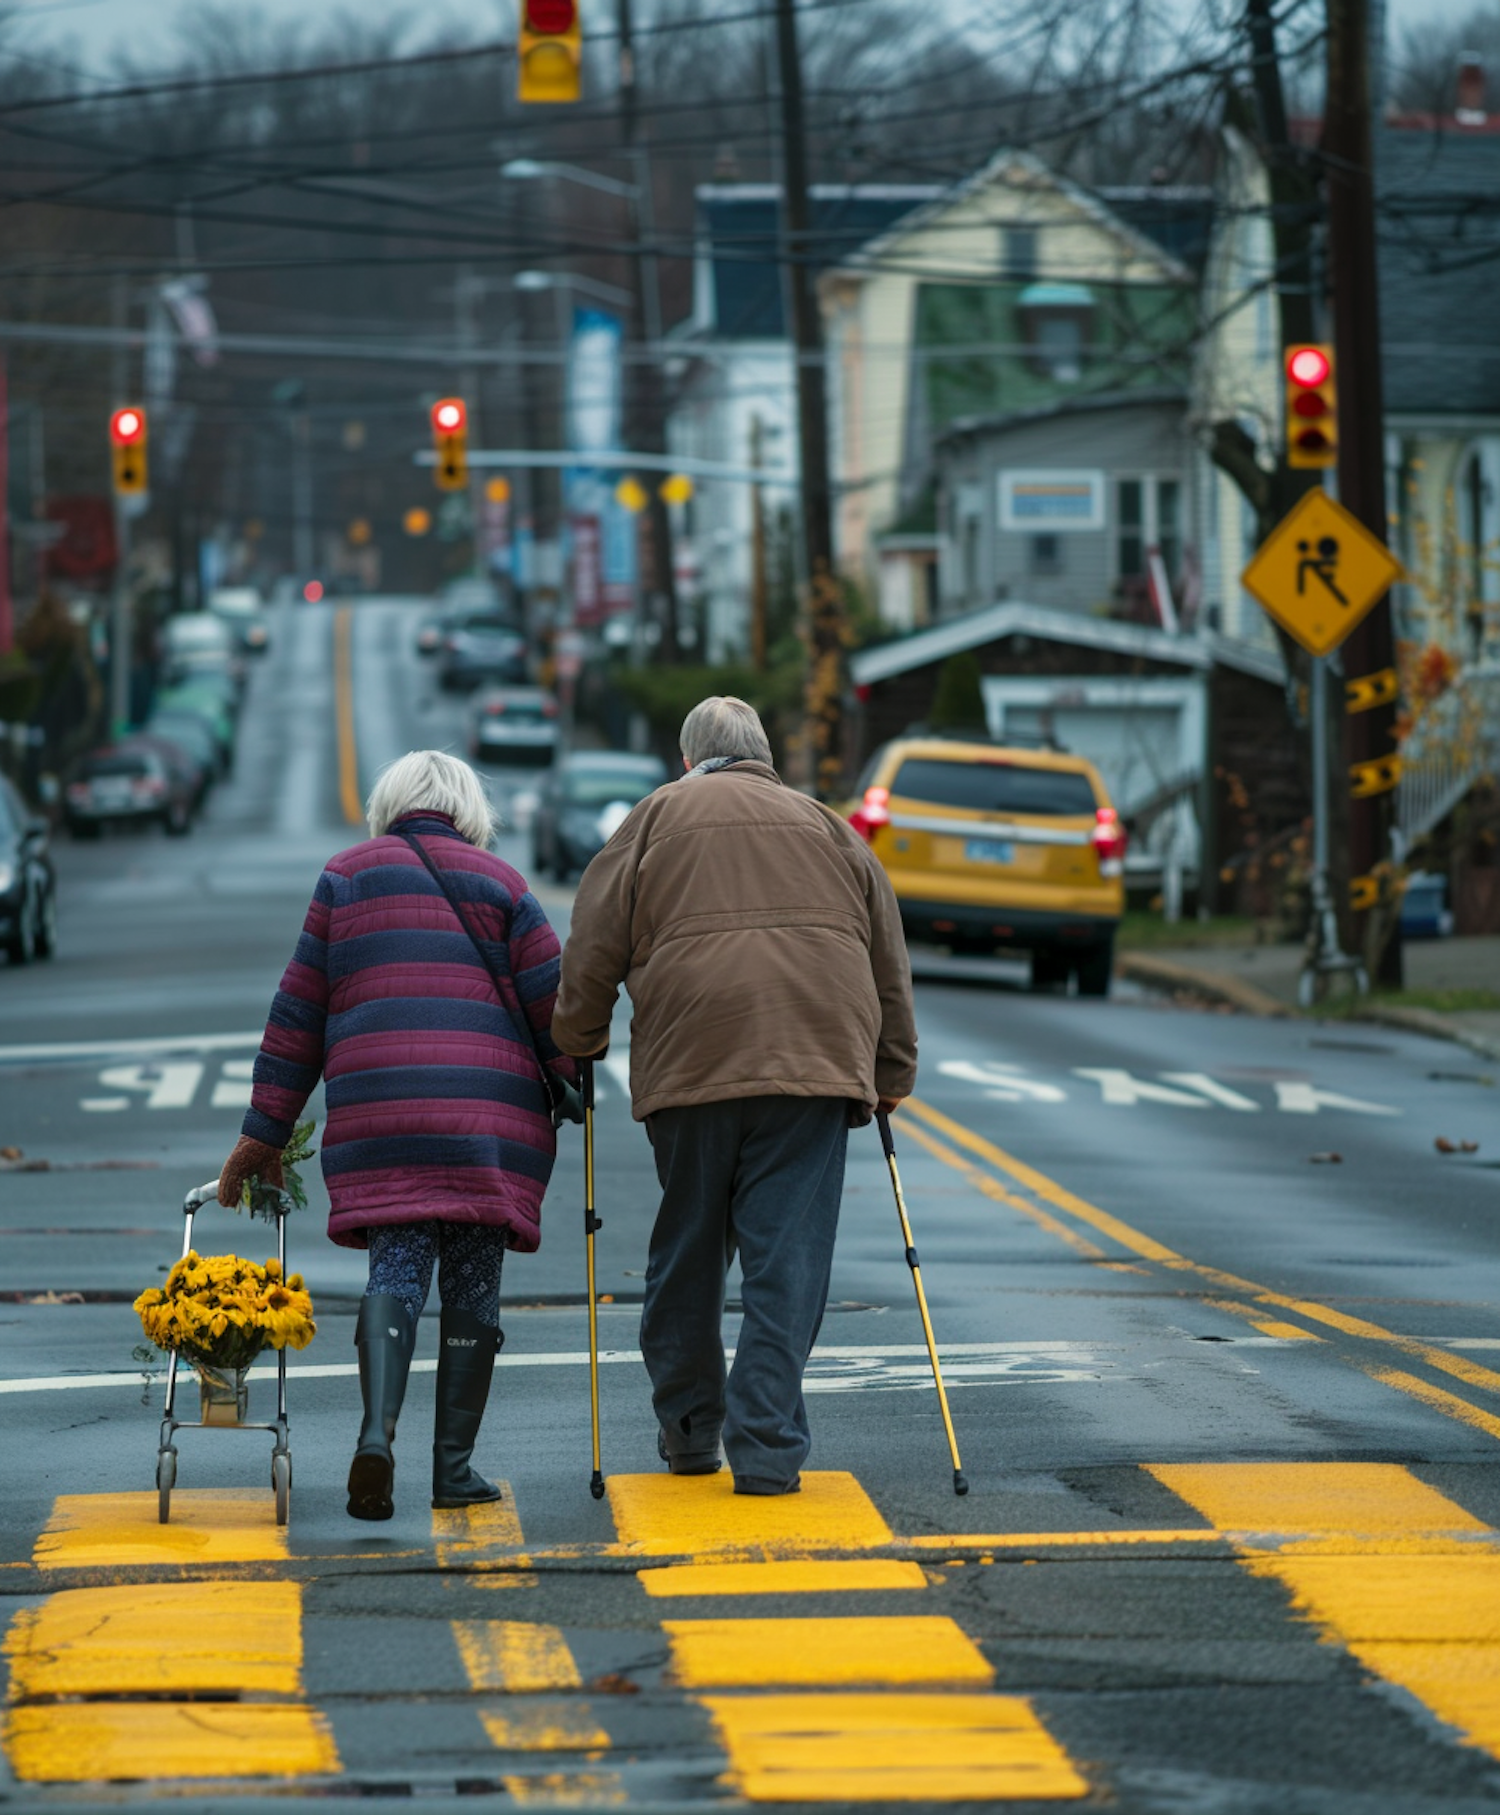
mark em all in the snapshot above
pixel 385 1336
pixel 466 1366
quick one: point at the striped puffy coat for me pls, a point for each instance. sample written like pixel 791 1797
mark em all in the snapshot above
pixel 436 1108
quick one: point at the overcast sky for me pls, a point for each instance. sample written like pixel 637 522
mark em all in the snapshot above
pixel 85 33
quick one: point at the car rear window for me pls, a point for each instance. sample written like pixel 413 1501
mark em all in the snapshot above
pixel 518 712
pixel 601 789
pixel 995 787
pixel 130 766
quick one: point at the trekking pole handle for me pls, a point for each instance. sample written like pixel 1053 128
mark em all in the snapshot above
pixel 883 1123
pixel 586 1081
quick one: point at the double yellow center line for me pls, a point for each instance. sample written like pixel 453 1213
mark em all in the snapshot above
pixel 1061 1212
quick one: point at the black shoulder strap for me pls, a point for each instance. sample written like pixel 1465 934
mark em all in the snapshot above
pixel 484 958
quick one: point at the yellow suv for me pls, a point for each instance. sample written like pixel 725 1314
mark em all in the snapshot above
pixel 992 848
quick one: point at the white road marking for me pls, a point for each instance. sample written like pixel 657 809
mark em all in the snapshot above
pixel 234 1086
pixel 618 1067
pixel 1120 1089
pixel 832 1370
pixel 121 1049
pixel 1213 1090
pixel 168 1086
pixel 1004 1083
pixel 104 1105
pixel 1297 1098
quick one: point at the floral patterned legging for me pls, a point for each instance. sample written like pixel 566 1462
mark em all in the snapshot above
pixel 402 1256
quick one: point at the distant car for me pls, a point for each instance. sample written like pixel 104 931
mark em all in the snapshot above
pixel 198 641
pixel 191 735
pixel 992 848
pixel 241 608
pixel 207 703
pixel 28 882
pixel 119 785
pixel 582 802
pixel 197 772
pixel 434 625
pixel 514 725
pixel 481 646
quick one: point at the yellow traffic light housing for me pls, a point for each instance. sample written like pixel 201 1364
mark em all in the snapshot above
pixel 127 438
pixel 450 441
pixel 549 51
pixel 1312 416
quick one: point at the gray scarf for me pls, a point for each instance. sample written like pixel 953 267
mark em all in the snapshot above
pixel 711 765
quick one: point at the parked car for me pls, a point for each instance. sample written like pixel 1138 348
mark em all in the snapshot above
pixel 995 848
pixel 433 626
pixel 207 704
pixel 119 785
pixel 198 641
pixel 582 802
pixel 196 770
pixel 481 646
pixel 514 725
pixel 28 882
pixel 241 608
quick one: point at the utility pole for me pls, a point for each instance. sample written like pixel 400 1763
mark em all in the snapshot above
pixel 1369 652
pixel 824 740
pixel 757 554
pixel 120 630
pixel 648 403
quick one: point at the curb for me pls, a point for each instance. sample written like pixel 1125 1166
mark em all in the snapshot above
pixel 1161 973
pixel 1435 1026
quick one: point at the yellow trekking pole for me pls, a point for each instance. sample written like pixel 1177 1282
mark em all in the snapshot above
pixel 591 1225
pixel 960 1485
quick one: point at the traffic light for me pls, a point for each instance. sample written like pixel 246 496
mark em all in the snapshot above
pixel 1312 418
pixel 549 51
pixel 450 439
pixel 127 437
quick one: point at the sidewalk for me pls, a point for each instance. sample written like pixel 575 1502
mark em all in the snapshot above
pixel 1262 979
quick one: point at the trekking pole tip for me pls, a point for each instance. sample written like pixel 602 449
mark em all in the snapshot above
pixel 960 1485
pixel 596 1485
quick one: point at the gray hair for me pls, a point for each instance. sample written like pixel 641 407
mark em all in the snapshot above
pixel 724 726
pixel 434 782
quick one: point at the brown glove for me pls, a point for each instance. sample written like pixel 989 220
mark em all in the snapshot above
pixel 250 1159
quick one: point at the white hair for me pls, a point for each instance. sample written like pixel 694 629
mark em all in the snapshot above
pixel 723 726
pixel 432 781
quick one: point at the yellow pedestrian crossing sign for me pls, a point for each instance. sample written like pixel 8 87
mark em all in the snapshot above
pixel 1319 572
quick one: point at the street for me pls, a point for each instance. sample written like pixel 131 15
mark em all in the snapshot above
pixel 1217 1320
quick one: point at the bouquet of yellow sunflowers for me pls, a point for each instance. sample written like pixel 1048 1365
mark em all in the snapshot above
pixel 220 1310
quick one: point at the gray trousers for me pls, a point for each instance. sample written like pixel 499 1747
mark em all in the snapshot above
pixel 761 1176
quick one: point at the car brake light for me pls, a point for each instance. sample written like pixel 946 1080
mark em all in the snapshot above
pixel 1109 839
pixel 871 813
pixel 496 709
pixel 79 790
pixel 147 787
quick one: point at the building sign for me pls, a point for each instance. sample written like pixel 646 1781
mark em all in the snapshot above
pixel 1048 501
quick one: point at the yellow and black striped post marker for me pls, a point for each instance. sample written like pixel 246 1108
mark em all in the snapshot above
pixel 591 1226
pixel 883 1121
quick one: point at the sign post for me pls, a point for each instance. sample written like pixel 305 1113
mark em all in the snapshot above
pixel 1318 574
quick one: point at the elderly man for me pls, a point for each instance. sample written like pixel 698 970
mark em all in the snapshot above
pixel 761 946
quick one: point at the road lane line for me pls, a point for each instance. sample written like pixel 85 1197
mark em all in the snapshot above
pixel 544 1726
pixel 699 1516
pixel 988 1187
pixel 1376 1572
pixel 343 706
pixel 94 1742
pixel 1147 1248
pixel 873 1575
pixel 891 1748
pixel 108 1049
pixel 515 1656
pixel 900 1651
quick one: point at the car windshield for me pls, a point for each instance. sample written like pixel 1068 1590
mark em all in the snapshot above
pixel 130 767
pixel 518 712
pixel 196 633
pixel 598 788
pixel 993 785
pixel 488 626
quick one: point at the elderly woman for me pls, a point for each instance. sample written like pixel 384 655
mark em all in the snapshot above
pixel 426 1006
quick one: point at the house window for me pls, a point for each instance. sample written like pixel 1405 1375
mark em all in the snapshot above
pixel 1055 323
pixel 1169 526
pixel 1148 515
pixel 1132 520
pixel 1046 554
pixel 970 534
pixel 1059 347
pixel 1018 251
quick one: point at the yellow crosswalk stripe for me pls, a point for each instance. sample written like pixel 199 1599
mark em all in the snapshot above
pixel 833 1653
pixel 698 1516
pixel 592 1789
pixel 890 1748
pixel 102 1742
pixel 113 1531
pixel 830 1576
pixel 515 1656
pixel 544 1724
pixel 1385 1565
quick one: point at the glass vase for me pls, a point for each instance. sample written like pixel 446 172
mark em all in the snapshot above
pixel 224 1392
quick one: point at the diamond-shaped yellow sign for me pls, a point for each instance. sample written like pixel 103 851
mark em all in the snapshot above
pixel 1319 572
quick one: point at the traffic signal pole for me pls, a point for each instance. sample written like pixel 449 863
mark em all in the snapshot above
pixel 1369 652
pixel 823 704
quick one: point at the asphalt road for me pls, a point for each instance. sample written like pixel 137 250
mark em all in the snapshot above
pixel 1218 1325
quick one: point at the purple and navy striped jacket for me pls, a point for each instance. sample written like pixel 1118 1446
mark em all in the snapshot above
pixel 436 1109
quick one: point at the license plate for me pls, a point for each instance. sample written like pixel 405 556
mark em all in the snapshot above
pixel 987 850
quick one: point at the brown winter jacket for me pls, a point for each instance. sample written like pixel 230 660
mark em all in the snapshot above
pixel 761 945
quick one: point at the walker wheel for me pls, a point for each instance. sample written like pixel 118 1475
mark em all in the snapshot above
pixel 281 1480
pixel 166 1478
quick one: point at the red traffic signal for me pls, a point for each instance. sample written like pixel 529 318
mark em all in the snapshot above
pixel 549 51
pixel 450 442
pixel 449 417
pixel 1312 434
pixel 127 427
